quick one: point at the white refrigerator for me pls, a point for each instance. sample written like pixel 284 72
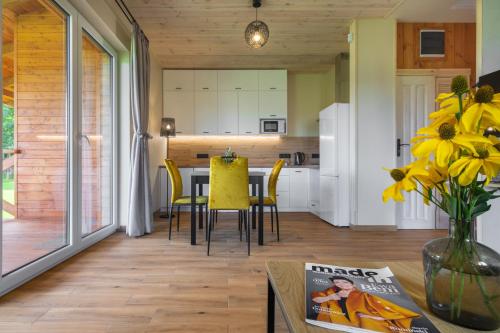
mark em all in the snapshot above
pixel 334 164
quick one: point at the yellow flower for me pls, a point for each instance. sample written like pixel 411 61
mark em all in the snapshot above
pixel 405 180
pixel 486 161
pixel 487 105
pixel 444 142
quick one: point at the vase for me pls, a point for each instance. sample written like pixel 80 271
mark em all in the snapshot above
pixel 462 278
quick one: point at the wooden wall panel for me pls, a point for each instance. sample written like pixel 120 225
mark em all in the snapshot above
pixel 460 46
pixel 40 108
pixel 261 151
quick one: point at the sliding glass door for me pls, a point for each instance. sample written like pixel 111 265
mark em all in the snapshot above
pixel 35 131
pixel 97 135
pixel 58 137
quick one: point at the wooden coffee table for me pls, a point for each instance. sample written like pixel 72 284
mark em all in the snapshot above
pixel 286 287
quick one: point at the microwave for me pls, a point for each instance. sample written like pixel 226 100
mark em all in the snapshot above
pixel 273 126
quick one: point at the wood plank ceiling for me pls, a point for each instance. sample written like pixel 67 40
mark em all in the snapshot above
pixel 304 34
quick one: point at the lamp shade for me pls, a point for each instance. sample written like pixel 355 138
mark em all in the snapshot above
pixel 167 127
pixel 256 34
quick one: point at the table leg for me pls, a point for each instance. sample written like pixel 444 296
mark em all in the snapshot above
pixel 270 307
pixel 261 210
pixel 254 193
pixel 200 208
pixel 193 210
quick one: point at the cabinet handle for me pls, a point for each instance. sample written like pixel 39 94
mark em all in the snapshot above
pixel 206 132
pixel 237 88
pixel 228 132
pixel 273 88
pixel 272 115
pixel 298 171
pixel 178 88
pixel 178 131
pixel 204 88
pixel 248 132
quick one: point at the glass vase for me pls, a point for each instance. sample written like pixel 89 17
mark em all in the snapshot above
pixel 462 278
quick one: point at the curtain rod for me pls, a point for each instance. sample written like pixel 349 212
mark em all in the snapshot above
pixel 127 13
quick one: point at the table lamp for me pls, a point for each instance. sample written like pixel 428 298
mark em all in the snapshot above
pixel 167 130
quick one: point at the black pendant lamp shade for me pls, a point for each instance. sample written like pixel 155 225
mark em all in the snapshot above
pixel 257 32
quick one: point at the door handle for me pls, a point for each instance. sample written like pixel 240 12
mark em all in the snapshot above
pixel 398 147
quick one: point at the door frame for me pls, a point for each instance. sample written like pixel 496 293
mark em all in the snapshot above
pixel 76 243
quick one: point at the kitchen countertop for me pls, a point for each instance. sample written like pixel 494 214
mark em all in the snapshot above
pixel 305 166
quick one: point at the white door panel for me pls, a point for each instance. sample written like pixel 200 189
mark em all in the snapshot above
pixel 415 101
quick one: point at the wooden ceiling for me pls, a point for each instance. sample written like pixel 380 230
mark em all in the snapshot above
pixel 304 34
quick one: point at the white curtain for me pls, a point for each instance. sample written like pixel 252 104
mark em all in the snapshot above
pixel 140 217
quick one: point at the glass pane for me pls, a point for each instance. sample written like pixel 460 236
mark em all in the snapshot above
pixel 96 143
pixel 34 131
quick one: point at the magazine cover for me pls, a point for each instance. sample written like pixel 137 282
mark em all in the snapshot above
pixel 361 300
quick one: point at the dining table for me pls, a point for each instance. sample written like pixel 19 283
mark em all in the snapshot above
pixel 255 179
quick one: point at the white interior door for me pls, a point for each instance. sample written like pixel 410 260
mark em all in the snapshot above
pixel 415 101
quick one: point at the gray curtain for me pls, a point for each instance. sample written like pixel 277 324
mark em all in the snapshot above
pixel 140 216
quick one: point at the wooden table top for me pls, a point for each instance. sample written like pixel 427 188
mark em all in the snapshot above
pixel 287 279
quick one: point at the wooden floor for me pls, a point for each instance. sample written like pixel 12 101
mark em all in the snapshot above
pixel 151 284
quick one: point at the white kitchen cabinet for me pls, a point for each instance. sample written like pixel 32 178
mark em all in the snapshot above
pixel 248 112
pixel 314 197
pixel 206 112
pixel 299 185
pixel 178 80
pixel 273 104
pixel 230 80
pixel 273 79
pixel 228 112
pixel 180 105
pixel 205 80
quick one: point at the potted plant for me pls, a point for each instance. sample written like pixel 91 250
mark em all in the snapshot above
pixel 454 161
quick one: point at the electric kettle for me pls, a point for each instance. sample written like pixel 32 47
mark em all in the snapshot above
pixel 299 158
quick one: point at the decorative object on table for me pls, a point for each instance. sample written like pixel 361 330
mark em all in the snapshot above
pixel 228 156
pixel 167 130
pixel 347 298
pixel 257 32
pixel 454 164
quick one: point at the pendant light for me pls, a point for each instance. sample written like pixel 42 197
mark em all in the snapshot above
pixel 257 32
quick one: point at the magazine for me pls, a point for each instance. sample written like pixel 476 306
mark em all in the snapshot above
pixel 361 300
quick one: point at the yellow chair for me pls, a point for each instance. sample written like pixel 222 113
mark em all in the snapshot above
pixel 228 190
pixel 271 201
pixel 177 199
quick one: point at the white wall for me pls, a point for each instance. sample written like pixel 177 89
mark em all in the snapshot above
pixel 372 96
pixel 308 93
pixel 157 143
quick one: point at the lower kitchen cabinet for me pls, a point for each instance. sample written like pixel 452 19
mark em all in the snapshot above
pixel 299 188
pixel 314 197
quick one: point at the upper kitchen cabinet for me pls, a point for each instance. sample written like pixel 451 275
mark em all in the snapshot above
pixel 205 80
pixel 230 80
pixel 248 112
pixel 205 112
pixel 228 112
pixel 180 105
pixel 178 80
pixel 272 104
pixel 273 79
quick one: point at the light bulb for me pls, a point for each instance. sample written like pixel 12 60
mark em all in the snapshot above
pixel 256 37
pixel 168 126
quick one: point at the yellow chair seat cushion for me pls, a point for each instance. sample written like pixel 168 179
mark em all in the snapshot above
pixel 267 200
pixel 186 200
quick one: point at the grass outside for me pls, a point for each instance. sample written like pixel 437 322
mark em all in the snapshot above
pixel 8 195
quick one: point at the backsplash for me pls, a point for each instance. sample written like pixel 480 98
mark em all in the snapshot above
pixel 262 151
